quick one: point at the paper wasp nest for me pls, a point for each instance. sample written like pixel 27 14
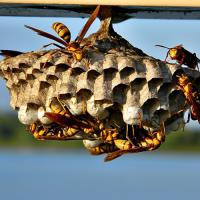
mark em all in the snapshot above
pixel 114 82
pixel 119 83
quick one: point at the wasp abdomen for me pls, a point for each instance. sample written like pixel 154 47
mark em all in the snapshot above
pixel 62 31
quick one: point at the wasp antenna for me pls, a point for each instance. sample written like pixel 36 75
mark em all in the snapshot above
pixel 157 45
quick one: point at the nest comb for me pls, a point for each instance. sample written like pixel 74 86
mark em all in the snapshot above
pixel 114 81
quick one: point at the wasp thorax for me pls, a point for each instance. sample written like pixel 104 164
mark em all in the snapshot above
pixel 73 46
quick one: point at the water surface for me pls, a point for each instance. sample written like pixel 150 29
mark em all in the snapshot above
pixel 42 174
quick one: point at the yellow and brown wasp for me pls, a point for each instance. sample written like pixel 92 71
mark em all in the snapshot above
pixel 182 56
pixel 112 141
pixel 56 132
pixel 73 47
pixel 71 125
pixel 64 124
pixel 85 123
pixel 61 115
pixel 144 141
pixel 191 94
pixel 41 133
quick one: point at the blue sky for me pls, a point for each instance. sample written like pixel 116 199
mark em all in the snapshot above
pixel 141 33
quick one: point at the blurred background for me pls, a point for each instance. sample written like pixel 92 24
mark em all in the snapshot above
pixel 31 169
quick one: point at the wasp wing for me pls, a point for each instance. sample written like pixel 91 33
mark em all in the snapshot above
pixel 47 35
pixel 120 152
pixel 10 53
pixel 92 17
pixel 66 121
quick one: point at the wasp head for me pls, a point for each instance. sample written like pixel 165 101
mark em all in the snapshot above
pixel 173 52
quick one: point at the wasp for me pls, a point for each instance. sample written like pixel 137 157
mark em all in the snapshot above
pixel 191 94
pixel 182 56
pixel 73 47
pixel 56 132
pixel 41 133
pixel 64 125
pixel 146 143
pixel 62 116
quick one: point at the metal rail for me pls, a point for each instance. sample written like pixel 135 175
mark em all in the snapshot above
pixel 124 9
pixel 176 3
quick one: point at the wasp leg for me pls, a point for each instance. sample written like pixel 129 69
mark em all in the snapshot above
pixel 128 136
pixel 61 104
pixel 166 57
pixel 188 118
pixel 197 61
pixel 54 44
pixel 48 58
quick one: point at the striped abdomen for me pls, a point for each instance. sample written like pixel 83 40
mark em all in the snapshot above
pixel 62 31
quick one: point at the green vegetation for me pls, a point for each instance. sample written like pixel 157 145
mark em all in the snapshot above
pixel 14 134
pixel 186 141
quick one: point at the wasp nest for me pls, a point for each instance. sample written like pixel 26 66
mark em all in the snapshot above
pixel 117 84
